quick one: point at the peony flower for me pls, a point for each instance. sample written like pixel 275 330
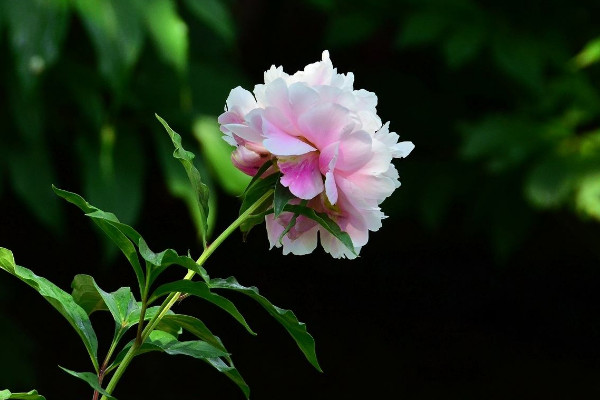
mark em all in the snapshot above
pixel 330 146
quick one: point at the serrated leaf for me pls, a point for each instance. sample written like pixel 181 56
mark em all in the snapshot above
pixel 287 318
pixel 323 219
pixel 121 234
pixel 115 28
pixel 31 395
pixel 218 154
pixel 202 290
pixel 160 261
pixel 200 188
pixel 58 298
pixel 215 15
pixel 89 378
pixel 168 31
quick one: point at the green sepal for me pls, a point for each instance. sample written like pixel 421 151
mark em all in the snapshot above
pixel 89 378
pixel 287 318
pixel 202 290
pixel 200 188
pixel 62 301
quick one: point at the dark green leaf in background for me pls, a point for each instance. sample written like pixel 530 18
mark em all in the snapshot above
pixel 115 28
pixel 216 15
pixel 37 31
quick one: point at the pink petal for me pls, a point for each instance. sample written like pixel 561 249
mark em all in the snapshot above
pixel 302 176
pixel 324 124
pixel 281 143
pixel 240 101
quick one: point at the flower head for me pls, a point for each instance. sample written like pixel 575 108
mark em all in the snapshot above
pixel 329 145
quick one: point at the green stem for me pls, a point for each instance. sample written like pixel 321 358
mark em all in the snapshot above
pixel 172 298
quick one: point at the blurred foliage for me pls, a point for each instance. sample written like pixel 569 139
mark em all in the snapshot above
pixel 501 99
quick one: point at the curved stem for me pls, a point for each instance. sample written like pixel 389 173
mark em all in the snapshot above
pixel 172 298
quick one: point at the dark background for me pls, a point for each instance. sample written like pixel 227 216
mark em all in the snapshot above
pixel 482 283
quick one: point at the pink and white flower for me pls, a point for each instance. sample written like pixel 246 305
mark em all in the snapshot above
pixel 329 144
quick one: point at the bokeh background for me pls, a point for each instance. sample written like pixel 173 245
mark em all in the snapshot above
pixel 483 281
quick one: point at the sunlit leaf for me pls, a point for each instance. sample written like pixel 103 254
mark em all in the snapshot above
pixel 202 290
pixel 32 395
pixel 587 197
pixel 58 298
pixel 168 31
pixel 89 378
pixel 120 303
pixel 590 54
pixel 200 188
pixel 218 154
pixel 287 318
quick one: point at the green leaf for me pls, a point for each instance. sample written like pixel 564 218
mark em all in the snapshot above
pixel 121 234
pixel 86 295
pixel 168 31
pixel 326 222
pixel 521 58
pixel 218 155
pixel 216 16
pixel 200 188
pixel 587 198
pixel 551 182
pixel 590 54
pixel 463 44
pixel 36 31
pixel 116 31
pixel 281 198
pixel 32 395
pixel 165 342
pixel 256 190
pixel 169 257
pixel 201 290
pixel 120 303
pixel 59 299
pixel 194 326
pixel 296 329
pixel 91 379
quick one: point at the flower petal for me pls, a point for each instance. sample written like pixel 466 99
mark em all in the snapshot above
pixel 301 175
